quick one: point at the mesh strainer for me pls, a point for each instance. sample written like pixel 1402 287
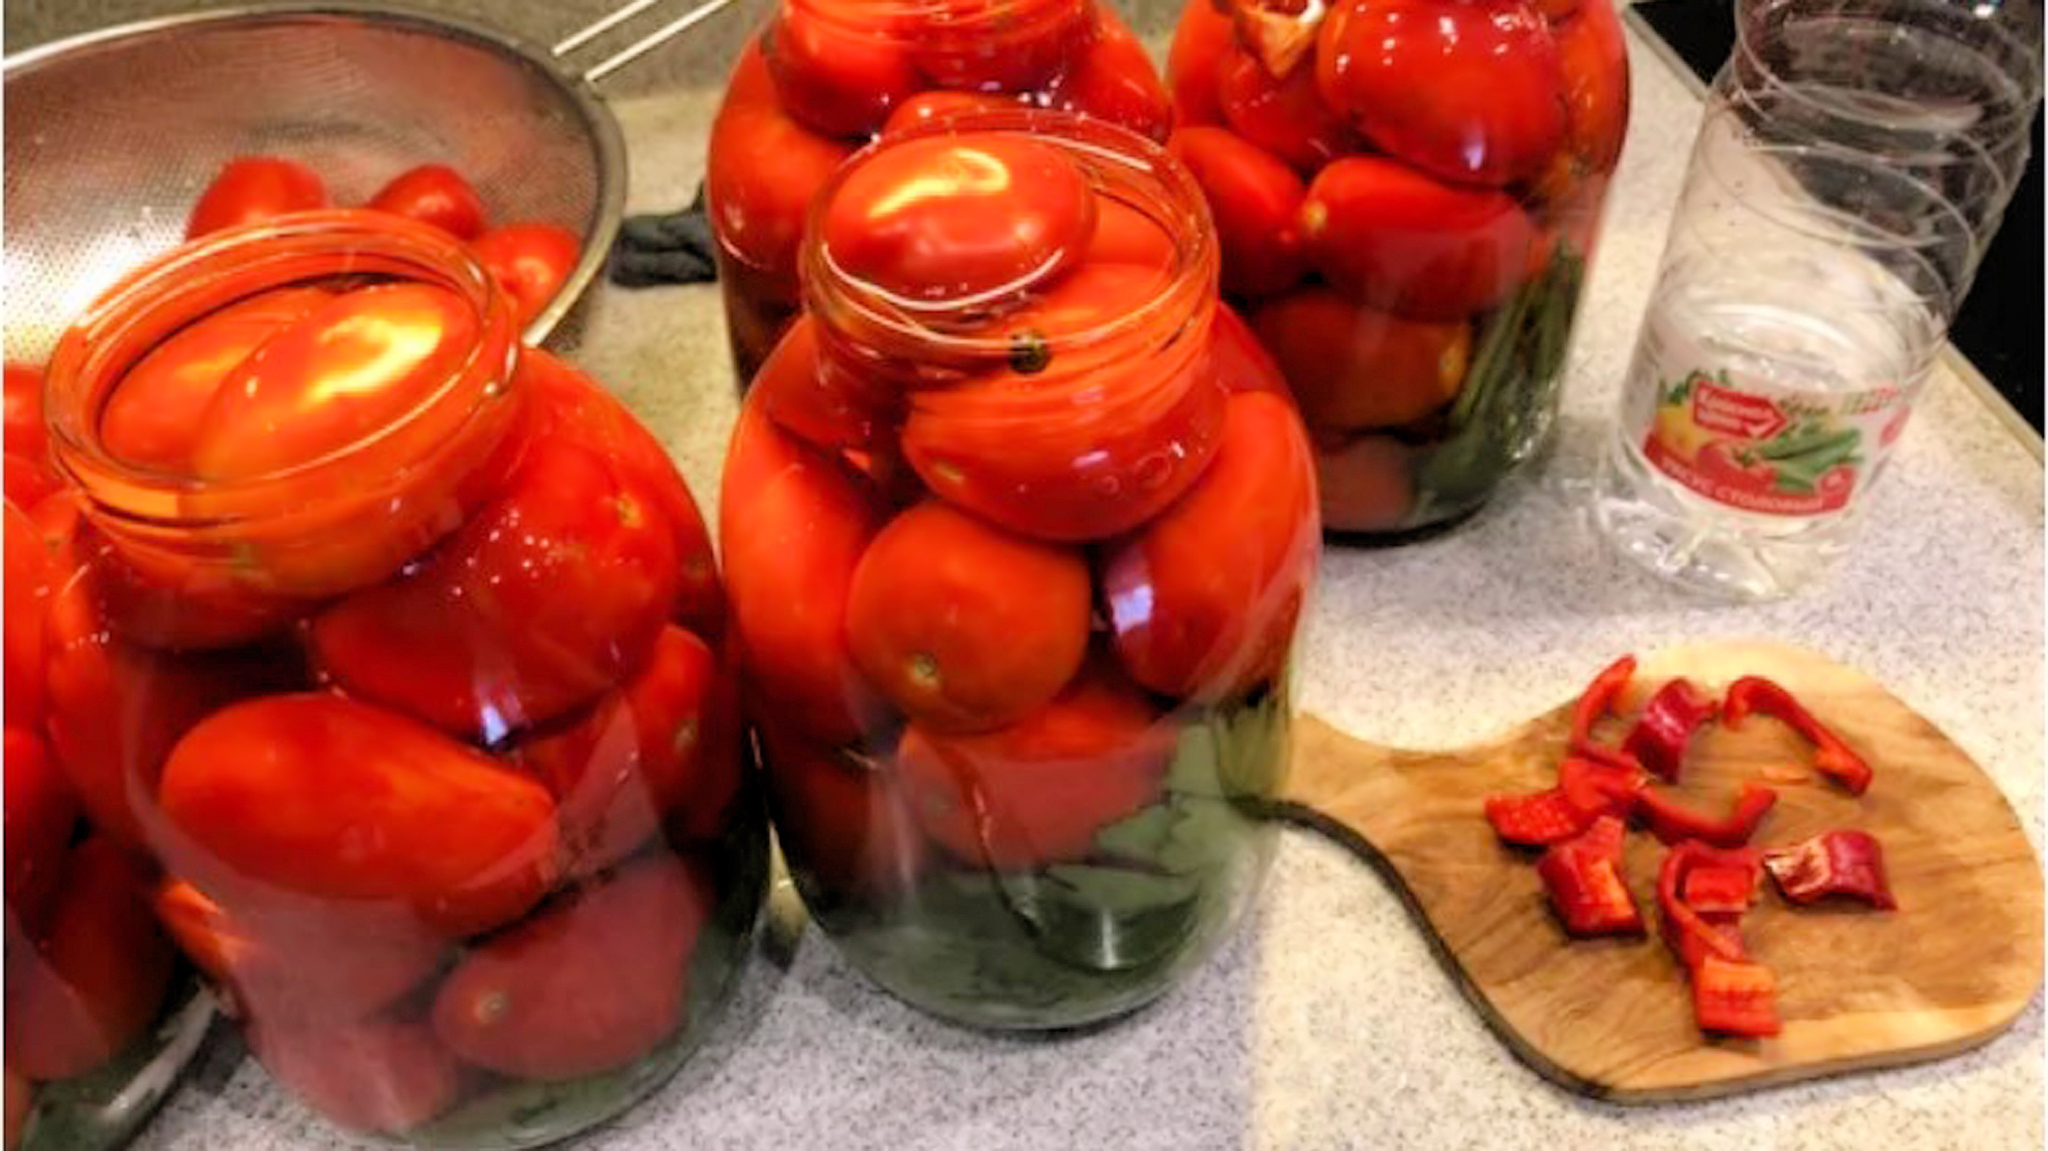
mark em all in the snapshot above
pixel 111 136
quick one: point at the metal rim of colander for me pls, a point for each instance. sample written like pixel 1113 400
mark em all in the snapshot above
pixel 596 115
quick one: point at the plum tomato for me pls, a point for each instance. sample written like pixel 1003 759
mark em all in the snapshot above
pixel 1039 791
pixel 545 598
pixel 1000 45
pixel 586 985
pixel 1284 117
pixel 277 791
pixel 929 107
pixel 1472 93
pixel 1240 361
pixel 1353 368
pixel 1256 203
pixel 20 1100
pixel 530 261
pixel 1125 235
pixel 436 195
pixel 793 523
pixel 763 171
pixel 93 982
pixel 964 626
pixel 1112 79
pixel 253 188
pixel 25 434
pixel 843 821
pixel 1594 56
pixel 155 416
pixel 959 218
pixel 1392 237
pixel 27 603
pixel 1203 600
pixel 819 398
pixel 39 815
pixel 384 1075
pixel 653 746
pixel 1366 484
pixel 839 67
pixel 1194 64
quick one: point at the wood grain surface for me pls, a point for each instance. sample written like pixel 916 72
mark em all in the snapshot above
pixel 1954 966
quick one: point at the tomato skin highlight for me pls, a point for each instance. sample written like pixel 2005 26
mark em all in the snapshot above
pixel 436 195
pixel 1285 117
pixel 255 188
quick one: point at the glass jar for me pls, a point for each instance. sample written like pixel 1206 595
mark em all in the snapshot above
pixel 826 76
pixel 393 651
pixel 1407 193
pixel 1018 525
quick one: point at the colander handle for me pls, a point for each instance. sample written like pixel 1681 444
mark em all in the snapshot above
pixel 637 48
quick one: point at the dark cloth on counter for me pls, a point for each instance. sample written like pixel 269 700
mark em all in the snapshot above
pixel 664 248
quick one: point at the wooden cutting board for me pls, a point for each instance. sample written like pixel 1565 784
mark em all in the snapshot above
pixel 1954 966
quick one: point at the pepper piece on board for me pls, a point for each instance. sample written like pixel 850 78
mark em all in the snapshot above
pixel 1675 822
pixel 1690 934
pixel 1669 719
pixel 1598 787
pixel 1845 862
pixel 1734 998
pixel 1583 877
pixel 1831 757
pixel 1720 890
pixel 1537 819
pixel 1594 704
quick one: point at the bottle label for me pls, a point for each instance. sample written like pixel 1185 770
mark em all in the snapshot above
pixel 1771 450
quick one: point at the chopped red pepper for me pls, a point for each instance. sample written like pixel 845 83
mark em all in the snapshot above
pixel 1583 876
pixel 1660 736
pixel 1831 757
pixel 1734 997
pixel 1594 704
pixel 1843 862
pixel 1720 890
pixel 1689 933
pixel 1601 788
pixel 1537 819
pixel 1673 822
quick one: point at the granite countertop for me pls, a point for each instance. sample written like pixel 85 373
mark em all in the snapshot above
pixel 1326 1023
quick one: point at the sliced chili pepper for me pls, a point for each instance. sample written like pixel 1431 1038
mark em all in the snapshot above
pixel 1831 757
pixel 1720 890
pixel 1687 932
pixel 1537 819
pixel 1601 788
pixel 1669 719
pixel 1843 862
pixel 1673 822
pixel 1734 997
pixel 1594 704
pixel 1583 877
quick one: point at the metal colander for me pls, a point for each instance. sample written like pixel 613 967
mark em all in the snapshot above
pixel 111 136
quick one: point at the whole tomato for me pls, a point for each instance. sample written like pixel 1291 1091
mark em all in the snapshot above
pixel 385 1075
pixel 1203 600
pixel 843 821
pixel 840 67
pixel 1494 107
pixel 544 599
pixel 1113 80
pixel 793 523
pixel 964 626
pixel 93 981
pixel 1202 41
pixel 1000 45
pixel 1352 368
pixel 530 261
pixel 156 415
pixel 1594 57
pixel 434 194
pixel 1367 484
pixel 1256 203
pixel 1285 117
pixel 1392 237
pixel 959 217
pixel 820 399
pixel 277 791
pixel 589 984
pixel 39 814
pixel 27 603
pixel 1125 235
pixel 1039 791
pixel 24 431
pixel 759 217
pixel 254 188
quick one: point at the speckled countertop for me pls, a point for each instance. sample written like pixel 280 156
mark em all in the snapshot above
pixel 1327 1023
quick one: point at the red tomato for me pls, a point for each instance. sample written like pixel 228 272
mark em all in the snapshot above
pixel 650 747
pixel 534 607
pixel 927 107
pixel 587 985
pixel 1039 791
pixel 1113 79
pixel 178 605
pixel 27 601
pixel 1594 57
pixel 1241 362
pixel 793 523
pixel 818 398
pixel 300 962
pixel 840 67
pixel 959 217
pixel 434 194
pixel 530 261
pixel 763 171
pixel 29 481
pixel 1492 104
pixel 279 791
pixel 1194 64
pixel 1204 599
pixel 154 418
pixel 1256 202
pixel 964 626
pixel 1352 368
pixel 1127 235
pixel 94 980
pixel 25 434
pixel 254 188
pixel 21 1099
pixel 843 821
pixel 1556 11
pixel 384 1076
pixel 1398 240
pixel 39 814
pixel 1366 484
pixel 1000 45
pixel 1285 117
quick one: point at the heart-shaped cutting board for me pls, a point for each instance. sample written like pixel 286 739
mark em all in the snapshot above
pixel 1951 968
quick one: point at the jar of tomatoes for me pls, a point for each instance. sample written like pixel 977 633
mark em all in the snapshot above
pixel 826 76
pixel 1018 525
pixel 390 655
pixel 1407 192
